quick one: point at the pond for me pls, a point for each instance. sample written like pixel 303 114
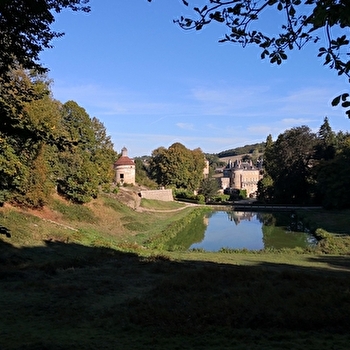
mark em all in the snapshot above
pixel 243 230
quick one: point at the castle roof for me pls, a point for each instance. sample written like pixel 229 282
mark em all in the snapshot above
pixel 124 160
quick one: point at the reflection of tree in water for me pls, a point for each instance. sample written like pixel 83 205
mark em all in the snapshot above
pixel 267 219
pixel 191 234
pixel 289 220
pixel 283 230
pixel 238 216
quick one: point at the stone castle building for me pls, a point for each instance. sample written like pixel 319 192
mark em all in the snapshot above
pixel 242 176
pixel 125 169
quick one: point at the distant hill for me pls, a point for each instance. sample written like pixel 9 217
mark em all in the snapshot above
pixel 247 149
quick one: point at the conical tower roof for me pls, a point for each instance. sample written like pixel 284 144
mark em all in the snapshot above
pixel 124 159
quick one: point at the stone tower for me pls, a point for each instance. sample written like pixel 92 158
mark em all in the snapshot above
pixel 124 169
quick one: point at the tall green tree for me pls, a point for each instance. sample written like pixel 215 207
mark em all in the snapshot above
pixel 326 142
pixel 31 120
pixel 11 167
pixel 80 183
pixel 265 192
pixel 209 187
pixel 103 154
pixel 158 166
pixel 265 189
pixel 289 162
pixel 196 169
pixel 332 176
pixel 44 143
pixel 84 168
pixel 177 166
pixel 36 186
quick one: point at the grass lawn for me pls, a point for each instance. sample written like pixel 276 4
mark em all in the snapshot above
pixel 85 281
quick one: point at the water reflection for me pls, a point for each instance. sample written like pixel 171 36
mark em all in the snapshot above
pixel 239 230
pixel 238 216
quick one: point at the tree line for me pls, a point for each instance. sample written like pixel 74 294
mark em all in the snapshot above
pixel 47 146
pixel 247 149
pixel 302 167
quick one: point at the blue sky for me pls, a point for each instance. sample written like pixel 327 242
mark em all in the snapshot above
pixel 152 84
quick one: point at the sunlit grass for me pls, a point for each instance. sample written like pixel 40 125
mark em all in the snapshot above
pixel 160 205
pixel 73 212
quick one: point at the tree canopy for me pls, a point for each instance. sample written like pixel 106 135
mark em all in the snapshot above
pixel 288 162
pixel 177 166
pixel 45 144
pixel 302 167
pixel 25 30
pixel 299 22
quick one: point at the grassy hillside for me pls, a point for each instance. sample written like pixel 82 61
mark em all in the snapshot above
pixel 247 149
pixel 94 277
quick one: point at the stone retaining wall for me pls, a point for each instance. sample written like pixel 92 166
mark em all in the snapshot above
pixel 160 195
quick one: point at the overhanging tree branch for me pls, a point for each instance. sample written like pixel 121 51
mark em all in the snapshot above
pixel 25 30
pixel 303 19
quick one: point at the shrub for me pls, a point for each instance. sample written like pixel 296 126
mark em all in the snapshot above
pixel 183 193
pixel 201 198
pixel 242 194
pixel 221 198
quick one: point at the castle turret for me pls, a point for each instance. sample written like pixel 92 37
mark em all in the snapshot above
pixel 124 169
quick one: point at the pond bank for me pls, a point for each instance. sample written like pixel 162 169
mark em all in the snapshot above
pixel 252 205
pixel 263 207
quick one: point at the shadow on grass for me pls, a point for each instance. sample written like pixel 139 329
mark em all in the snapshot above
pixel 5 231
pixel 63 296
pixel 335 262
